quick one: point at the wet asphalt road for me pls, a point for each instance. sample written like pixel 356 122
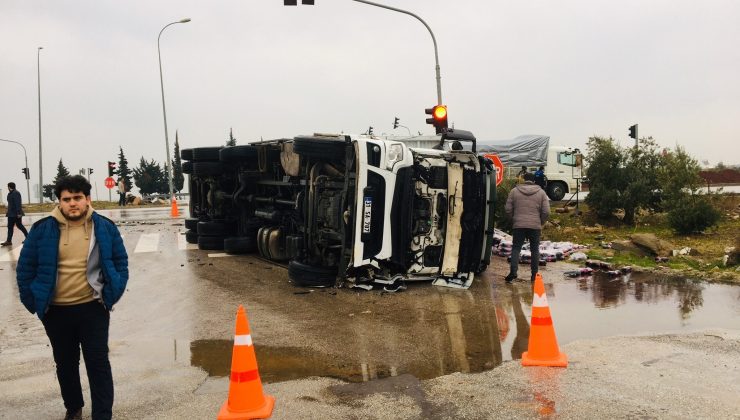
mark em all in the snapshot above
pixel 380 355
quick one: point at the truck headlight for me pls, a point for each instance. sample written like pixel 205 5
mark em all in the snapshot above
pixel 393 154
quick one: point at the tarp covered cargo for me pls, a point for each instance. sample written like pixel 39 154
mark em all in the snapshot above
pixel 526 150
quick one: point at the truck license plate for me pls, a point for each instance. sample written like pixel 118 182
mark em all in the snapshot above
pixel 366 214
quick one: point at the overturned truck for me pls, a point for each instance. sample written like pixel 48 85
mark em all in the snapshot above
pixel 344 208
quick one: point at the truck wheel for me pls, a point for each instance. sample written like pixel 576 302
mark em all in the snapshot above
pixel 215 228
pixel 208 168
pixel 206 154
pixel 187 167
pixel 236 154
pixel 192 224
pixel 325 149
pixel 310 276
pixel 186 154
pixel 556 191
pixel 240 245
pixel 211 243
pixel 191 237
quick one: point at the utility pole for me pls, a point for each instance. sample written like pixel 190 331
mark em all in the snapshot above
pixel 41 166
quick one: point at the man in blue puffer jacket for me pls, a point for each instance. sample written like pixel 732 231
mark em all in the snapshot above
pixel 72 269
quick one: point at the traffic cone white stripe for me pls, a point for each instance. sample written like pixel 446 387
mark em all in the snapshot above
pixel 539 301
pixel 243 340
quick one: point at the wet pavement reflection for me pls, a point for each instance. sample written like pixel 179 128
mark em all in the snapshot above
pixel 477 330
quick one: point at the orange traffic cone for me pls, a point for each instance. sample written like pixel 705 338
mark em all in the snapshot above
pixel 246 399
pixel 174 212
pixel 543 345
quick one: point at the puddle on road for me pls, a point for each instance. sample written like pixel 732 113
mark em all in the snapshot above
pixel 477 331
pixel 278 364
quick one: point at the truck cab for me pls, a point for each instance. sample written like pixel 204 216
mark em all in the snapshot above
pixel 563 168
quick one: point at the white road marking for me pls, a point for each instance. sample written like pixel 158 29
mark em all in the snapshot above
pixel 219 255
pixel 148 242
pixel 183 244
pixel 12 255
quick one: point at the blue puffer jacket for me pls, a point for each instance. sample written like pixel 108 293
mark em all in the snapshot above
pixel 37 265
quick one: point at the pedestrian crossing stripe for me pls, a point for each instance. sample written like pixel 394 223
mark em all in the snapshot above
pixel 183 244
pixel 148 242
pixel 13 255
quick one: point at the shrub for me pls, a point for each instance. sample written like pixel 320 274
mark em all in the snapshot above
pixel 691 214
pixel 503 221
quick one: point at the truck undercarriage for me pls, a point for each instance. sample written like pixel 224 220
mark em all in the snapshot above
pixel 345 209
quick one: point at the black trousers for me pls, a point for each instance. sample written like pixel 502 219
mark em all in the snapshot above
pixel 86 325
pixel 519 235
pixel 121 199
pixel 12 223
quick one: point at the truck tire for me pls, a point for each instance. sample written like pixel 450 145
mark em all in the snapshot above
pixel 219 228
pixel 206 154
pixel 186 154
pixel 211 243
pixel 237 154
pixel 305 275
pixel 240 245
pixel 556 190
pixel 187 167
pixel 191 237
pixel 208 168
pixel 325 149
pixel 191 223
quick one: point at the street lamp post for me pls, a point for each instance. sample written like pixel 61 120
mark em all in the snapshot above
pixel 41 171
pixel 164 111
pixel 25 156
pixel 434 41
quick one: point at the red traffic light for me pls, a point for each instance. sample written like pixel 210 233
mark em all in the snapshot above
pixel 439 117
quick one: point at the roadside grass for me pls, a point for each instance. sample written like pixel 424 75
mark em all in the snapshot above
pixel 708 247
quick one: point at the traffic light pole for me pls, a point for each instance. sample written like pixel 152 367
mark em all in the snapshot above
pixel 25 156
pixel 434 40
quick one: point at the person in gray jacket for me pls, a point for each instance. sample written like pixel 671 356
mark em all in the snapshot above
pixel 14 214
pixel 529 208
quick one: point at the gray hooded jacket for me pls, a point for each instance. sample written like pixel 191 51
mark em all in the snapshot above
pixel 528 206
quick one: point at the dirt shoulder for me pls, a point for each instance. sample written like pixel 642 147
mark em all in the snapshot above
pixel 700 255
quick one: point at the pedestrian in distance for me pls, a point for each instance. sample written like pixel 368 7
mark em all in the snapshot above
pixel 72 269
pixel 14 214
pixel 520 174
pixel 529 208
pixel 121 192
pixel 540 178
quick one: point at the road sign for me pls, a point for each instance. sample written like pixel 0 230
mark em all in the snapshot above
pixel 498 165
pixel 109 183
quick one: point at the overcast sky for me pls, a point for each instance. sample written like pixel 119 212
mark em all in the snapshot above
pixel 567 69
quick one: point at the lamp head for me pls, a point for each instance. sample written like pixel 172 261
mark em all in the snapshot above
pixel 186 20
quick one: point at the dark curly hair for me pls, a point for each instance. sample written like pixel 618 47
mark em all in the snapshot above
pixel 73 184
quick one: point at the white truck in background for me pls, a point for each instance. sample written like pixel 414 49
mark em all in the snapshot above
pixel 563 164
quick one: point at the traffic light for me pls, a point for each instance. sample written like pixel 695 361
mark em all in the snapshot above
pixel 439 118
pixel 395 123
pixel 26 173
pixel 290 2
pixel 90 171
pixel 111 168
pixel 633 131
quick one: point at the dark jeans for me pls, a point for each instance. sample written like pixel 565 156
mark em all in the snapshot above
pixel 533 235
pixel 121 199
pixel 13 222
pixel 68 327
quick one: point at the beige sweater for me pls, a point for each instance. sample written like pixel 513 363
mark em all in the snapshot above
pixel 74 248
